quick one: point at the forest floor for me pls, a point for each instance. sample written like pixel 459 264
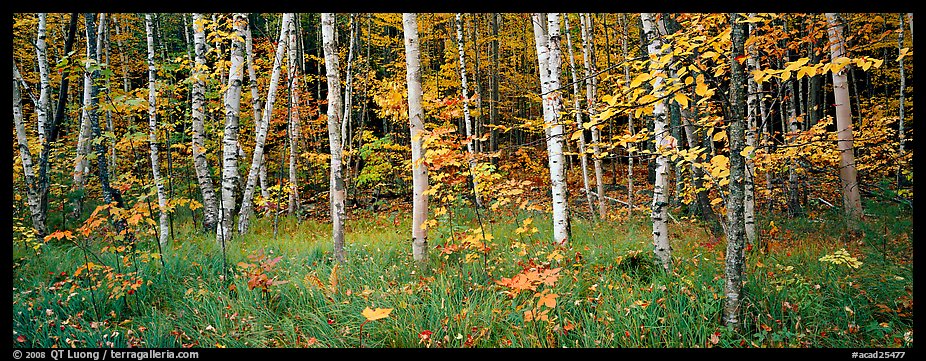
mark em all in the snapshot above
pixel 602 290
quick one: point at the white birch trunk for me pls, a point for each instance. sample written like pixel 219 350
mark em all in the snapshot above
pixel 244 216
pixel 576 100
pixel 41 109
pixel 467 120
pixel 200 163
pixel 590 91
pixel 546 38
pixel 416 127
pixel 255 103
pixel 33 195
pixel 230 141
pixel 336 180
pixel 847 173
pixel 294 121
pixel 903 89
pixel 752 118
pixel 662 248
pixel 164 232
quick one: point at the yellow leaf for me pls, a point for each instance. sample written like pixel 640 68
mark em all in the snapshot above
pixel 701 88
pixel 747 151
pixel 576 135
pixel 375 314
pixel 758 75
pixel 720 135
pixel 639 80
pixel 715 201
pixel 794 65
pixel 682 100
pixel 785 75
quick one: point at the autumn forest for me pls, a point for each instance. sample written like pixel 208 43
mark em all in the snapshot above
pixel 462 180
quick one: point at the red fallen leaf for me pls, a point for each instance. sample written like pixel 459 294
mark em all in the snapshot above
pixel 627 333
pixel 131 292
pixel 330 321
pixel 766 327
pixel 20 339
pixel 749 247
pixel 424 335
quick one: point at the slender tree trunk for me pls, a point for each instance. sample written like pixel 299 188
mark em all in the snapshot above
pixel 255 103
pixel 736 233
pixel 493 104
pixel 588 52
pixel 200 163
pixel 153 134
pixel 752 119
pixel 244 215
pixel 230 138
pixel 41 109
pixel 903 89
pixel 549 61
pixel 33 198
pixel 336 184
pixel 847 172
pixel 662 248
pixel 294 119
pixel 348 87
pixel 467 121
pixel 625 27
pixel 576 100
pixel 416 127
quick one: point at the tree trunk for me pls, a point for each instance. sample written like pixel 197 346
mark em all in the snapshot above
pixel 336 184
pixel 230 139
pixel 662 248
pixel 244 215
pixel 591 84
pixel 847 173
pixel 493 104
pixel 33 197
pixel 625 25
pixel 549 61
pixel 576 100
pixel 735 258
pixel 467 121
pixel 903 89
pixel 200 163
pixel 255 104
pixel 294 120
pixel 41 109
pixel 416 126
pixel 153 134
pixel 752 118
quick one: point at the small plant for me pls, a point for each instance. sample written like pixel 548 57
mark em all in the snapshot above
pixel 259 273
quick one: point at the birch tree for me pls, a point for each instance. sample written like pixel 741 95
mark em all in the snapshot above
pixel 336 180
pixel 247 203
pixel 546 40
pixel 467 120
pixel 153 133
pixel 736 232
pixel 416 127
pixel 662 248
pixel 590 90
pixel 230 138
pixel 576 100
pixel 847 173
pixel 33 196
pixel 294 114
pixel 200 163
pixel 752 119
pixel 256 106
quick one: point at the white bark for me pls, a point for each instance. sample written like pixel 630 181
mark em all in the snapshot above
pixel 164 232
pixel 33 195
pixel 752 118
pixel 255 103
pixel 230 141
pixel 847 173
pixel 336 180
pixel 576 100
pixel 247 201
pixel 546 40
pixel 42 109
pixel 294 115
pixel 467 120
pixel 200 163
pixel 662 248
pixel 591 85
pixel 903 89
pixel 416 127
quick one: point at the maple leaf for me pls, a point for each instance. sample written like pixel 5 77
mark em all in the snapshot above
pixel 547 299
pixel 375 314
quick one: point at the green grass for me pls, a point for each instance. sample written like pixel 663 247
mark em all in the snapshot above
pixel 610 293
